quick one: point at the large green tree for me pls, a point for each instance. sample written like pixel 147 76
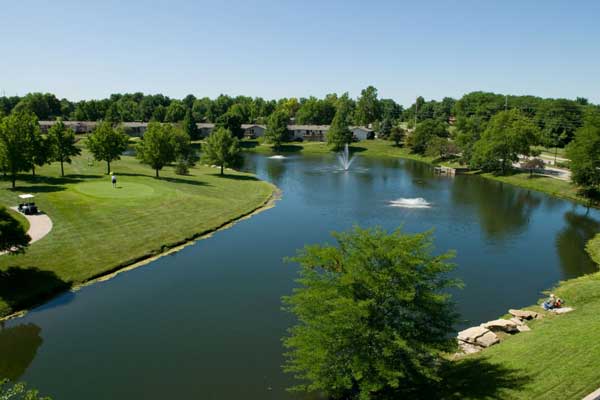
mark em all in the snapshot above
pixel 397 134
pixel 584 153
pixel 62 143
pixel 425 132
pixel 13 238
pixel 508 135
pixel 373 315
pixel 40 150
pixel 157 148
pixel 368 108
pixel 107 143
pixel 315 111
pixel 276 131
pixel 339 134
pixel 221 148
pixel 232 121
pixel 189 125
pixel 16 134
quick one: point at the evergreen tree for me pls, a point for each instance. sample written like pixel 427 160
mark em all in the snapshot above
pixel 276 131
pixel 339 134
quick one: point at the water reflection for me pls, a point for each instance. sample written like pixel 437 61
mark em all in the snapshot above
pixel 18 347
pixel 571 241
pixel 503 211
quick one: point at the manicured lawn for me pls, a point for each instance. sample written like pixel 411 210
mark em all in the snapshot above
pixel 19 217
pixel 98 228
pixel 558 359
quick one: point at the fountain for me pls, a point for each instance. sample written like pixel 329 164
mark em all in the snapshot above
pixel 345 159
pixel 417 202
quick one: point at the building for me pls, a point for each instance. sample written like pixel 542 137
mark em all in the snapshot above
pixel 205 128
pixel 77 126
pixel 362 133
pixel 310 133
pixel 253 131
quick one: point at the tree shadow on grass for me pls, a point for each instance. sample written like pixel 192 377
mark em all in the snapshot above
pixel 477 378
pixel 248 144
pixel 236 177
pixel 184 181
pixel 288 148
pixel 356 149
pixel 81 176
pixel 22 288
pixel 39 189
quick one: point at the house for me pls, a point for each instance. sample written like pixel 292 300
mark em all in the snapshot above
pixel 77 126
pixel 311 133
pixel 252 131
pixel 362 133
pixel 205 128
pixel 135 129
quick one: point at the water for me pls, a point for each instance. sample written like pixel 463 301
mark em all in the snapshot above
pixel 344 158
pixel 206 322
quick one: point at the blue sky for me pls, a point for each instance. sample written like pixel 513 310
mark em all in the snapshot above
pixel 84 49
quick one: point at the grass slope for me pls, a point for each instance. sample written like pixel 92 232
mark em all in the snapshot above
pixel 558 359
pixel 593 247
pixel 98 229
pixel 19 217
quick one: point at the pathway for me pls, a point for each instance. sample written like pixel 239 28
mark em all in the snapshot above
pixel 39 225
pixel 593 396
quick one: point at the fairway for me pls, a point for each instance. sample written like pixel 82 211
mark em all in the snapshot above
pixel 99 229
pixel 125 188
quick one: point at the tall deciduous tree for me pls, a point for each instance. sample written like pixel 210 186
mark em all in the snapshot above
pixel 16 133
pixel 397 134
pixel 584 153
pixel 157 149
pixel 368 108
pixel 232 121
pixel 373 315
pixel 221 149
pixel 189 125
pixel 424 133
pixel 13 238
pixel 62 142
pixel 40 150
pixel 339 134
pixel 276 131
pixel 107 143
pixel 508 135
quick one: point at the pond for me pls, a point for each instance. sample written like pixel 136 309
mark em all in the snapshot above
pixel 206 322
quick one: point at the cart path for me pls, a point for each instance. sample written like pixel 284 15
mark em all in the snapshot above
pixel 39 225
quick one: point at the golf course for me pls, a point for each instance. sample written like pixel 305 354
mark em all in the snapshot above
pixel 98 228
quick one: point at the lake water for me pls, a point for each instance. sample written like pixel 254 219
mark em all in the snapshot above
pixel 206 322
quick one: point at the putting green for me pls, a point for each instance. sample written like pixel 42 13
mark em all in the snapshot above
pixel 124 190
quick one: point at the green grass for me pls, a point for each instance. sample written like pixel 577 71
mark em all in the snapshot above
pixel 593 247
pixel 558 359
pixel 19 217
pixel 98 229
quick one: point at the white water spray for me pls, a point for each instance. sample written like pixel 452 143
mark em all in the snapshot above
pixel 345 159
pixel 417 202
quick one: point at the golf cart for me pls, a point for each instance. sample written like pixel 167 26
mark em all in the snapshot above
pixel 28 207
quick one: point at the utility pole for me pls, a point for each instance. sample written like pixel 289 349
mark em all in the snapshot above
pixel 506 103
pixel 416 110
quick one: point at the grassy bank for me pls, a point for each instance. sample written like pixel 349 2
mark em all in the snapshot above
pixel 382 148
pixel 21 218
pixel 558 359
pixel 593 247
pixel 98 229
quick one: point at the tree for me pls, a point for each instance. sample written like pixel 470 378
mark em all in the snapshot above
pixel 157 149
pixel 175 112
pixel 373 315
pixel 368 108
pixel 16 133
pixel 315 111
pixel 232 121
pixel 40 150
pixel 385 128
pixel 221 149
pixel 532 164
pixel 276 131
pixel 18 391
pixel 397 134
pixel 441 148
pixel 424 133
pixel 508 135
pixel 189 125
pixel 62 144
pixel 107 143
pixel 339 134
pixel 13 238
pixel 584 153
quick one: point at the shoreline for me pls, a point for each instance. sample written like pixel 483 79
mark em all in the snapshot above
pixel 148 258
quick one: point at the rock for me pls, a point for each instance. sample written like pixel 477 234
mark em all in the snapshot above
pixel 517 321
pixel 523 314
pixel 470 335
pixel 523 328
pixel 501 325
pixel 469 348
pixel 488 339
pixel 562 310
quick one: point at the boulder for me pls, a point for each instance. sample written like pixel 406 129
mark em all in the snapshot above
pixel 501 325
pixel 488 339
pixel 468 348
pixel 562 310
pixel 523 314
pixel 517 321
pixel 478 335
pixel 523 328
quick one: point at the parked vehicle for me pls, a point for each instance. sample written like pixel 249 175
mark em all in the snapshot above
pixel 28 208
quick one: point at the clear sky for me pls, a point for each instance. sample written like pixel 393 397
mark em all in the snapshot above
pixel 278 48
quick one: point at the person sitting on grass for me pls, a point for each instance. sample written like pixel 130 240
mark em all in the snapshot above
pixel 552 302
